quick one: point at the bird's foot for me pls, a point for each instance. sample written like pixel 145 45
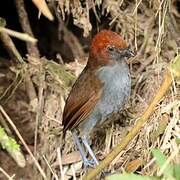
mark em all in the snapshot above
pixel 89 163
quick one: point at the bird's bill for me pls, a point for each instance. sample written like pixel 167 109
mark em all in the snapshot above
pixel 128 53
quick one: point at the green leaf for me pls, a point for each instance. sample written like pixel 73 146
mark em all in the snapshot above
pixel 160 157
pixel 175 66
pixel 178 141
pixel 177 171
pixel 160 160
pixel 12 147
pixel 131 176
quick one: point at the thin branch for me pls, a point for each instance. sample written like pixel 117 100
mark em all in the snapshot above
pixel 11 48
pixel 21 36
pixel 60 163
pixel 25 24
pixel 40 105
pixel 6 174
pixel 49 166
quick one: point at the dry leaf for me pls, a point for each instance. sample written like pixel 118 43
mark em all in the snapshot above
pixel 134 165
pixel 70 158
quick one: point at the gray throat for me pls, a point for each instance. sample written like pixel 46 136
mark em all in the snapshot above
pixel 117 88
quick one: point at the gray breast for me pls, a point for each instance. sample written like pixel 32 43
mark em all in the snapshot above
pixel 117 87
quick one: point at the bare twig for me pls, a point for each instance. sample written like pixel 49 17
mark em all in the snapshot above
pixel 54 174
pixel 24 21
pixel 7 94
pixel 6 174
pixel 11 48
pixel 21 36
pixel 60 163
pixel 39 113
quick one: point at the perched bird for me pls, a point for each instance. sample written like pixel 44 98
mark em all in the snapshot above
pixel 101 89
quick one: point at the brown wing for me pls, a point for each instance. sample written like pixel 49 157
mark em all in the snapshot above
pixel 82 99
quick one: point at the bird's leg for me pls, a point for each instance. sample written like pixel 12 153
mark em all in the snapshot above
pixel 96 162
pixel 81 150
pixel 86 144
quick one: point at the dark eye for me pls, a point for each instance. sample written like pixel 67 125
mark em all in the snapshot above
pixel 110 48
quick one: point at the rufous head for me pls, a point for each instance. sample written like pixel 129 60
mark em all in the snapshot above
pixel 108 48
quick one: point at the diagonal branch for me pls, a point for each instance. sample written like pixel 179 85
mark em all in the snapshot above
pixel 25 24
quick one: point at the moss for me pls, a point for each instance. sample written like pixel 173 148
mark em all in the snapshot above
pixel 8 142
pixel 59 73
pixel 175 66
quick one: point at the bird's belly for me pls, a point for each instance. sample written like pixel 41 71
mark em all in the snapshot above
pixel 113 99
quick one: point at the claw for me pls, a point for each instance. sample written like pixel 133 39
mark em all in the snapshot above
pixel 88 163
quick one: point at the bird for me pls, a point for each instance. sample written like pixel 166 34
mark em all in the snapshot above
pixel 101 89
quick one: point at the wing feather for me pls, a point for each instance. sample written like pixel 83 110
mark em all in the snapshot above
pixel 82 99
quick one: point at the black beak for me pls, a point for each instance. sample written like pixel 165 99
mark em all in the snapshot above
pixel 128 53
